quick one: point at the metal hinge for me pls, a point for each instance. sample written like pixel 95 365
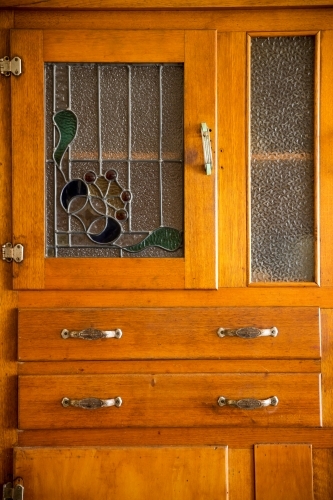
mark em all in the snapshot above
pixel 10 253
pixel 13 491
pixel 8 67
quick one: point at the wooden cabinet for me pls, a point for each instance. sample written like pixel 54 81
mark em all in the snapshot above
pixel 169 366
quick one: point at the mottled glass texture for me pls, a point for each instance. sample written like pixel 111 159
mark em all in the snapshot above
pixel 282 159
pixel 129 120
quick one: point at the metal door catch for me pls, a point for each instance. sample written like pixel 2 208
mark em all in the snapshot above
pixel 10 252
pixel 9 67
pixel 13 491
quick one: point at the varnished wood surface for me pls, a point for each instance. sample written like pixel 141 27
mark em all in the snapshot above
pixel 131 273
pixel 28 129
pixel 283 471
pixel 225 20
pixel 224 297
pixel 200 195
pixel 159 4
pixel 232 159
pixel 140 473
pixel 113 46
pixel 322 461
pixel 8 323
pixel 171 366
pixel 187 333
pixel 326 125
pixel 169 400
pixel 234 437
pixel 241 474
pixel 327 366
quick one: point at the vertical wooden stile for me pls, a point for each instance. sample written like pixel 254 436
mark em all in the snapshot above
pixel 232 161
pixel 28 157
pixel 326 156
pixel 200 189
pixel 8 365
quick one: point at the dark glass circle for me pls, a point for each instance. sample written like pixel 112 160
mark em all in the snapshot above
pixel 90 177
pixel 121 214
pixel 111 175
pixel 126 195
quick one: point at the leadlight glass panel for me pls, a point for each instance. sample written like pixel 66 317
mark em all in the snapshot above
pixel 282 159
pixel 114 160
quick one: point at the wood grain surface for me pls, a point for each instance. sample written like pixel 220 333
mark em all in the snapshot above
pixel 241 474
pixel 180 473
pixel 114 46
pixel 224 20
pixel 234 437
pixel 169 366
pixel 322 461
pixel 232 159
pixel 200 202
pixel 224 297
pixel 8 323
pixel 283 471
pixel 163 400
pixel 28 137
pixel 326 147
pixel 327 366
pixel 159 4
pixel 169 333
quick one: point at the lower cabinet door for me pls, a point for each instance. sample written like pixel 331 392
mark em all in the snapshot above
pixel 124 473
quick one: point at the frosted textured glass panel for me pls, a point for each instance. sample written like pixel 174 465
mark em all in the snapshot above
pixel 114 160
pixel 282 159
pixel 145 103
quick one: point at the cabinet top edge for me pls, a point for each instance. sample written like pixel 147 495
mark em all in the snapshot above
pixel 70 5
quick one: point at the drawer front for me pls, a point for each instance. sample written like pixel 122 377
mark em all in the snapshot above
pixel 164 400
pixel 179 333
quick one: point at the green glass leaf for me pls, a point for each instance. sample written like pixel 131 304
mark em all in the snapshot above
pixel 66 122
pixel 167 238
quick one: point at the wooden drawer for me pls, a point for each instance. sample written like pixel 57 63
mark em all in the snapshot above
pixel 169 400
pixel 170 333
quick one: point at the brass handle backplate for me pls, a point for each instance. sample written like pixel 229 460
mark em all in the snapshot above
pixel 91 334
pixel 248 403
pixel 248 332
pixel 91 403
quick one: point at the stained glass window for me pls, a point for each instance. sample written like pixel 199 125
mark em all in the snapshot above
pixel 114 160
pixel 282 159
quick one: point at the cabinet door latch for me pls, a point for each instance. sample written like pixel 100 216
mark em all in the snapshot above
pixel 13 491
pixel 9 67
pixel 10 252
pixel 207 148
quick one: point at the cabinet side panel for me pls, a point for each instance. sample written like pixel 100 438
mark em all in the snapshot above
pixel 8 412
pixel 231 151
pixel 28 158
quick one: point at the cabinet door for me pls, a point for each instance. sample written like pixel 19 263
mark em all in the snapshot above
pixel 91 196
pixel 124 473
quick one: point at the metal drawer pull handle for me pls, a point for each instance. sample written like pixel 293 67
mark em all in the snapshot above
pixel 248 404
pixel 92 334
pixel 248 333
pixel 91 403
